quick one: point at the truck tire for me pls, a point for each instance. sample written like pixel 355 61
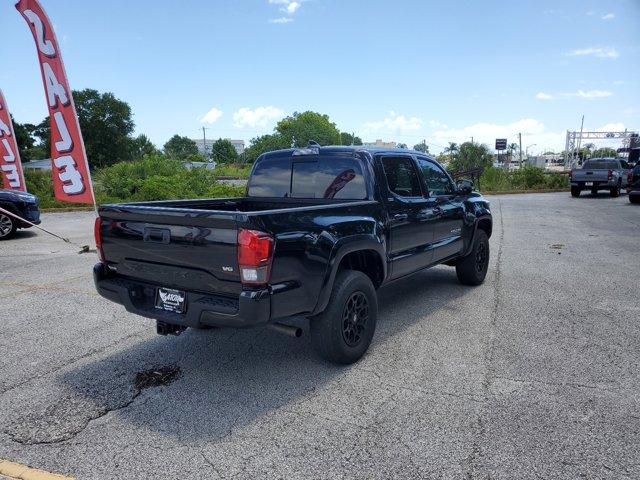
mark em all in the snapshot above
pixel 8 226
pixel 575 191
pixel 615 191
pixel 343 332
pixel 472 269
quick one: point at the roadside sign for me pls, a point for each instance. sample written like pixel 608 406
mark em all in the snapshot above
pixel 501 143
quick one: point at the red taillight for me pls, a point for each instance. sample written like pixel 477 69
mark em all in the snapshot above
pixel 610 173
pixel 255 252
pixel 98 238
pixel 629 178
pixel 570 174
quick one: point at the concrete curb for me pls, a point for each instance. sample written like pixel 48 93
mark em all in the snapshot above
pixel 517 192
pixel 21 472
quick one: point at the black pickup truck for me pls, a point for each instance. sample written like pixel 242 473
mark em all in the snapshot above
pixel 21 204
pixel 319 230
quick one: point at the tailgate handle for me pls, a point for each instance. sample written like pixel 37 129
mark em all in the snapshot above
pixel 156 235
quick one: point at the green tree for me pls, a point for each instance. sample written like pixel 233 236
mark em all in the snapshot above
pixel 223 151
pixel 300 128
pixel 349 139
pixel 421 147
pixel 107 124
pixel 600 153
pixel 452 149
pixel 470 156
pixel 180 147
pixel 28 138
pixel 265 143
pixel 141 146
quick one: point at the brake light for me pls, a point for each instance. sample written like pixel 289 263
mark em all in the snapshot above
pixel 570 175
pixel 610 174
pixel 98 238
pixel 255 253
pixel 629 177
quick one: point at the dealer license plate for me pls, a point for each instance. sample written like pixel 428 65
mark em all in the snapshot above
pixel 588 184
pixel 171 300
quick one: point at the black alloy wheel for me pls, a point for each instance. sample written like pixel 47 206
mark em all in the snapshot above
pixel 354 318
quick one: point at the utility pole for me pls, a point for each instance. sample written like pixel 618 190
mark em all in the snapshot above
pixel 520 140
pixel 580 138
pixel 204 143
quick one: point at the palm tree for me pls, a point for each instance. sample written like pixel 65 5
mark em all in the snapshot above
pixel 452 149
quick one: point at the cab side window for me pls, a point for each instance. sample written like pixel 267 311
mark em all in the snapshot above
pixel 438 182
pixel 402 176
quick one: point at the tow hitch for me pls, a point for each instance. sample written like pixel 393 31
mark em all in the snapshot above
pixel 163 328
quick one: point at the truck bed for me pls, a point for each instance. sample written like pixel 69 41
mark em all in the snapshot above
pixel 192 244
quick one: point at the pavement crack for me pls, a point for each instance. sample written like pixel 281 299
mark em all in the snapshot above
pixel 211 464
pixel 90 353
pixel 471 462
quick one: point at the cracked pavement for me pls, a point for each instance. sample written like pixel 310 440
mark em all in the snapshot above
pixel 532 375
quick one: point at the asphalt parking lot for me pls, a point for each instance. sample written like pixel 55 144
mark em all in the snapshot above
pixel 535 374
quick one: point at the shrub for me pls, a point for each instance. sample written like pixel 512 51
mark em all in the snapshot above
pixel 232 170
pixel 154 177
pixel 525 178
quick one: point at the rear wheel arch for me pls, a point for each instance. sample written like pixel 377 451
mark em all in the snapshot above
pixel 368 262
pixel 486 225
pixel 365 254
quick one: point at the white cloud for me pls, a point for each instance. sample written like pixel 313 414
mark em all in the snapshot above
pixel 437 124
pixel 543 96
pixel 211 116
pixel 288 7
pixel 533 131
pixel 578 94
pixel 258 117
pixel 292 7
pixel 281 20
pixel 608 16
pixel 612 127
pixel 598 52
pixel 392 124
pixel 590 94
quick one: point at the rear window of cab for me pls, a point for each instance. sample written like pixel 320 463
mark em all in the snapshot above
pixel 326 177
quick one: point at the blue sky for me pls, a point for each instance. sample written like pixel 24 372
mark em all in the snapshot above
pixel 401 70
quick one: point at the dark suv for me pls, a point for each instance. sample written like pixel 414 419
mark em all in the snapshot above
pixel 22 204
pixel 633 184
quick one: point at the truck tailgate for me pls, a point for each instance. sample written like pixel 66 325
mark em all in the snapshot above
pixel 590 176
pixel 184 249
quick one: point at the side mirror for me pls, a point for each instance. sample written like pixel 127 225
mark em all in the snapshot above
pixel 465 187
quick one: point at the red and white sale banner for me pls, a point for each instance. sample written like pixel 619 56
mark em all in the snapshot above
pixel 12 175
pixel 70 169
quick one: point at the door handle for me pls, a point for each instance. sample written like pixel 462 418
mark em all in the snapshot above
pixel 400 216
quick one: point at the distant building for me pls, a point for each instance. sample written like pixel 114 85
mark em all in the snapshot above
pixel 205 165
pixel 548 161
pixel 237 144
pixel 380 144
pixel 37 164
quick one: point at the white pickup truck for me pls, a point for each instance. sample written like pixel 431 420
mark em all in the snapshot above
pixel 599 174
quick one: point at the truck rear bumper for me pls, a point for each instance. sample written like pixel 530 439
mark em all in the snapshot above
pixel 595 185
pixel 251 309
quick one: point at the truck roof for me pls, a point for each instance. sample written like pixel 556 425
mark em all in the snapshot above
pixel 333 149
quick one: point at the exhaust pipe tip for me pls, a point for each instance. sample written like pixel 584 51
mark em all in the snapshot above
pixel 289 330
